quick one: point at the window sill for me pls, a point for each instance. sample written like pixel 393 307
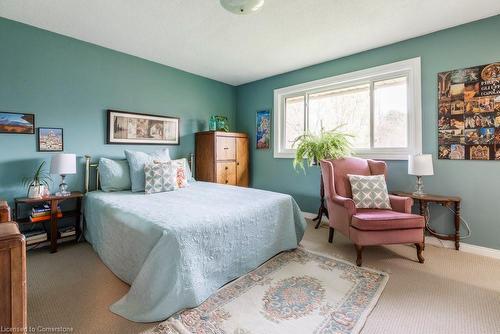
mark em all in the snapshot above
pixel 364 155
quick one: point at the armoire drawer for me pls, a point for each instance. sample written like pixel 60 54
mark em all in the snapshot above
pixel 226 172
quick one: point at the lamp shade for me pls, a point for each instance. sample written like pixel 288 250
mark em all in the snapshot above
pixel 63 164
pixel 420 165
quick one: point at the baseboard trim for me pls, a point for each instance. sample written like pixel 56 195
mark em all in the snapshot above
pixel 464 247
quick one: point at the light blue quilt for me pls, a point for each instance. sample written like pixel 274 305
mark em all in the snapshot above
pixel 177 248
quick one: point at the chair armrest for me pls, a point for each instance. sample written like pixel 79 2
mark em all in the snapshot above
pixel 347 203
pixel 401 204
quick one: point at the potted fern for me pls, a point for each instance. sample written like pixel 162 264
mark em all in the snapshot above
pixel 333 144
pixel 37 185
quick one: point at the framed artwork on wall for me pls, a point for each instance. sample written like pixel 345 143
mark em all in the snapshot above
pixel 50 140
pixel 142 129
pixel 263 132
pixel 12 122
pixel 469 113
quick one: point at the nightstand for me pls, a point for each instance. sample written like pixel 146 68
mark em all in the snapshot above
pixel 53 202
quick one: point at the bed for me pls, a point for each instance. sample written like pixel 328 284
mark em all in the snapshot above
pixel 177 248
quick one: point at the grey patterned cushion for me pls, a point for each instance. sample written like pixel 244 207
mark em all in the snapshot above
pixel 369 192
pixel 159 177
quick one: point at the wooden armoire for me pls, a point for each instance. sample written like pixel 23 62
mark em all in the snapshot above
pixel 13 316
pixel 222 157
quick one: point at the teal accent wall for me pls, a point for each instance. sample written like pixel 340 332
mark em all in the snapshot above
pixel 69 84
pixel 477 182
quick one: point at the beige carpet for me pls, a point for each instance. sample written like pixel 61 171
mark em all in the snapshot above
pixel 453 292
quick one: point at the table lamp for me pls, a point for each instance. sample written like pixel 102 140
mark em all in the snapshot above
pixel 420 165
pixel 63 164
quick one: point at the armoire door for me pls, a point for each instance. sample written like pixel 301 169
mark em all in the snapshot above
pixel 226 148
pixel 242 161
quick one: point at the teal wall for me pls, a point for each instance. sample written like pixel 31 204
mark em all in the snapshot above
pixel 70 84
pixel 477 182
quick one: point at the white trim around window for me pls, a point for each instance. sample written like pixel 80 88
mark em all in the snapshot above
pixel 407 68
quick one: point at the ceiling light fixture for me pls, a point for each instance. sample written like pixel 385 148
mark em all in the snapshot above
pixel 242 7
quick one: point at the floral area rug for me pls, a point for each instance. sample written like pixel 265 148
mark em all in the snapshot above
pixel 294 292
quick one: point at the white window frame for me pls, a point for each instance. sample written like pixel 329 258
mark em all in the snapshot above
pixel 409 68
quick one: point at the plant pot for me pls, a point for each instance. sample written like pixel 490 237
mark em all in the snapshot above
pixel 37 191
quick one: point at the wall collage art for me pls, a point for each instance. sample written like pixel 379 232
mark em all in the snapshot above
pixel 469 113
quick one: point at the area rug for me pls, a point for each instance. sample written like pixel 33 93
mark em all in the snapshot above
pixel 294 292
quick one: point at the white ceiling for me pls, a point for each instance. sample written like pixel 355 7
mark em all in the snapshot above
pixel 199 36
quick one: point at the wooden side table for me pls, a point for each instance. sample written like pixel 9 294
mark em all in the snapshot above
pixel 452 202
pixel 54 203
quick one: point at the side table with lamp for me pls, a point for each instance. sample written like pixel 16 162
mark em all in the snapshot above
pixel 421 165
pixel 62 164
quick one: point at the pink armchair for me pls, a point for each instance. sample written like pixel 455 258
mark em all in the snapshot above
pixel 367 227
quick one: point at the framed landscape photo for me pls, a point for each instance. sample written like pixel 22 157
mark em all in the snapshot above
pixel 50 140
pixel 11 122
pixel 142 129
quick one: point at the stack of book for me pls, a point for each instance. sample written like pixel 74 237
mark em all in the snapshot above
pixel 35 237
pixel 42 213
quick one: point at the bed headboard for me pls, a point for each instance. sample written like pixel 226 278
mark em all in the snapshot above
pixel 91 181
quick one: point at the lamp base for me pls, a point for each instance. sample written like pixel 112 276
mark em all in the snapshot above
pixel 419 187
pixel 63 188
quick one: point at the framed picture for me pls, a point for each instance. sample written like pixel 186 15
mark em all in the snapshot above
pixel 11 122
pixel 142 129
pixel 469 113
pixel 263 138
pixel 50 140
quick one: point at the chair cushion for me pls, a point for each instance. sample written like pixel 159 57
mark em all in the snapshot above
pixel 369 192
pixel 379 220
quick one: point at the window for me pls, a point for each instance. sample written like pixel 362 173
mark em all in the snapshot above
pixel 380 106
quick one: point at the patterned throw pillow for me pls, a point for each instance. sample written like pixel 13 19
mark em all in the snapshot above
pixel 369 192
pixel 159 177
pixel 181 173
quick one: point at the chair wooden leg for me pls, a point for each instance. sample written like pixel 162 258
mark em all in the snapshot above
pixel 420 248
pixel 330 235
pixel 359 251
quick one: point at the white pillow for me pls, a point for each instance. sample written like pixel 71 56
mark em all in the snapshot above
pixel 369 192
pixel 114 175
